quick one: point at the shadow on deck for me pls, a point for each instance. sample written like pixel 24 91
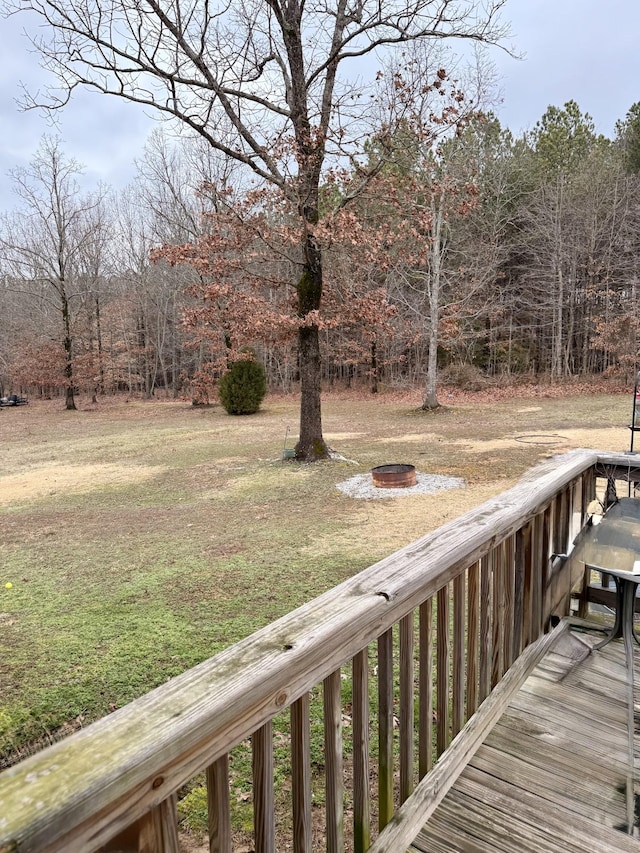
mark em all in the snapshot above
pixel 552 773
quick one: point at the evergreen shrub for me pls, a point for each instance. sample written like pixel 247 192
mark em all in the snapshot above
pixel 242 388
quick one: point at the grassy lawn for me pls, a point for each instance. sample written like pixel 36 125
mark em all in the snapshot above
pixel 139 538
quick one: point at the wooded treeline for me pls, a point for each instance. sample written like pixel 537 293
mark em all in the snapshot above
pixel 517 255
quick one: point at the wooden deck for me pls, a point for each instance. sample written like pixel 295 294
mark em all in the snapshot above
pixel 552 774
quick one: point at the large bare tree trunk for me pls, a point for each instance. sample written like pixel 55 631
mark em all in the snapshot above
pixel 311 444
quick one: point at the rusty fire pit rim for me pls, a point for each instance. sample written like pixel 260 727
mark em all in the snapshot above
pixel 393 468
pixel 394 475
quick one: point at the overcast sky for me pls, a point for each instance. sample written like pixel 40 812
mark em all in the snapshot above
pixel 585 50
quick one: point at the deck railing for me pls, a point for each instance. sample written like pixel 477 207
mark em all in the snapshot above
pixel 417 642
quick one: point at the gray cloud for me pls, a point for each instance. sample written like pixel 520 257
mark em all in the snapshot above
pixel 583 50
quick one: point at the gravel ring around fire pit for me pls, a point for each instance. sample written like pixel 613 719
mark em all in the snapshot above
pixel 361 486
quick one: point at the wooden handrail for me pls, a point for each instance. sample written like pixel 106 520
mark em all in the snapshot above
pixel 84 790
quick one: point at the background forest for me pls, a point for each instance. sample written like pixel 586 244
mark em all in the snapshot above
pixel 500 256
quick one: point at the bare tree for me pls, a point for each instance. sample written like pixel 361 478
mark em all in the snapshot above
pixel 42 244
pixel 268 83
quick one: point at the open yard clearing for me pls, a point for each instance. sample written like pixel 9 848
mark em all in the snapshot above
pixel 139 538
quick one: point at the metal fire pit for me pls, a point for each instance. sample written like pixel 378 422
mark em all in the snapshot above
pixel 394 476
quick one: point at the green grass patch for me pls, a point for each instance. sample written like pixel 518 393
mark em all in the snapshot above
pixel 139 539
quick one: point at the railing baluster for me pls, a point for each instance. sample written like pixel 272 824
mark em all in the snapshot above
pixel 545 565
pixel 360 712
pixel 588 494
pixel 385 728
pixel 334 776
pixel 159 828
pixel 442 671
pixel 218 806
pixel 457 719
pixel 486 626
pixel 508 558
pixel 524 577
pixel 168 817
pixel 301 774
pixel 425 734
pixel 538 570
pixel 406 706
pixel 497 663
pixel 518 593
pixel 473 601
pixel 263 807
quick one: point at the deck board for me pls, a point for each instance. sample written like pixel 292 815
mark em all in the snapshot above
pixel 551 775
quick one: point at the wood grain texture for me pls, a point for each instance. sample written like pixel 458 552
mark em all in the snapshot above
pixel 406 706
pixel 536 785
pixel 508 547
pixel 498 611
pixel 431 790
pixel 473 636
pixel 360 722
pixel 263 812
pixel 486 626
pixel 443 732
pixel 301 774
pixel 425 689
pixel 218 806
pixel 334 772
pixel 459 657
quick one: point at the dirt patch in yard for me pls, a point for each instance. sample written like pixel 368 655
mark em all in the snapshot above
pixel 65 479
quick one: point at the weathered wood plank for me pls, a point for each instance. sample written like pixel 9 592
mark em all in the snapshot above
pixel 536 784
pixel 334 775
pixel 497 606
pixel 301 774
pixel 473 623
pixel 263 813
pixel 508 547
pixel 442 672
pixel 459 632
pixel 360 723
pixel 545 553
pixel 425 689
pixel 218 806
pixel 536 577
pixel 385 728
pixel 521 591
pixel 509 799
pixel 486 626
pixel 406 705
pixel 431 790
pixel 158 831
